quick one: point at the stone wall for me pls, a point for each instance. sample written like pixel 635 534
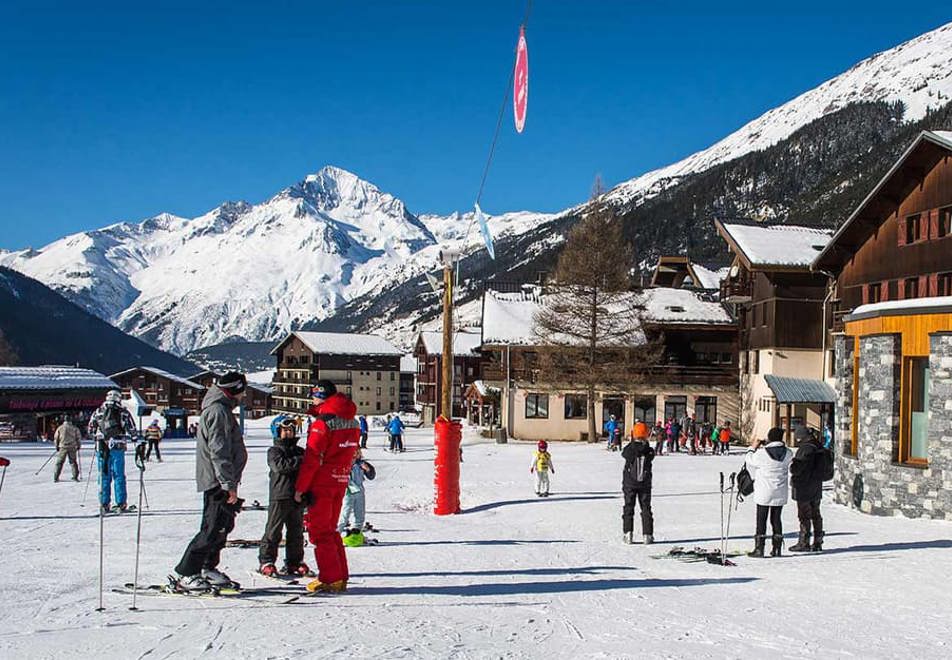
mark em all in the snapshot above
pixel 873 480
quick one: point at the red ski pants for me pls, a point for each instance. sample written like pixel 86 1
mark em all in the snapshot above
pixel 322 531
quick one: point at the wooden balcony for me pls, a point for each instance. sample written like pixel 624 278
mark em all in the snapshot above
pixel 736 291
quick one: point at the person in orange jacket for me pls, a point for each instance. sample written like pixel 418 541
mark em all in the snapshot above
pixel 332 441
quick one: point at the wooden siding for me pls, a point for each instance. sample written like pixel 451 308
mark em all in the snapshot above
pixel 915 330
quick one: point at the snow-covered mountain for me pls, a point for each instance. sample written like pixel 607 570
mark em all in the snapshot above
pixel 249 270
pixel 336 248
pixel 918 73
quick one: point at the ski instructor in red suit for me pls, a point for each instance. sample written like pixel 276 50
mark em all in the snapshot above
pixel 332 442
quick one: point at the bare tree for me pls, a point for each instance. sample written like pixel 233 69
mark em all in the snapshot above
pixel 589 326
pixel 8 356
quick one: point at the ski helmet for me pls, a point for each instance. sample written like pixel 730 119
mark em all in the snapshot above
pixel 323 390
pixel 113 396
pixel 543 445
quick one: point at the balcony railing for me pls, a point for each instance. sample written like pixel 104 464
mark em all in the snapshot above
pixel 736 291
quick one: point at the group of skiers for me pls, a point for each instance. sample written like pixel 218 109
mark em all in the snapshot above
pixel 676 435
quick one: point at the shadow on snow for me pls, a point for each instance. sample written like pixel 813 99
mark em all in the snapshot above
pixel 569 586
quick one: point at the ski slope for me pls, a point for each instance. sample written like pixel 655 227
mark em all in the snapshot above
pixel 512 577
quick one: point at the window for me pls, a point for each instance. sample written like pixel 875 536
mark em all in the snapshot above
pixel 378 406
pixel 392 406
pixel 644 410
pixel 393 375
pixel 675 407
pixel 537 406
pixel 875 292
pixel 945 222
pixel 379 376
pixel 705 409
pixel 576 406
pixel 915 445
pixel 391 391
pixel 913 227
pixel 727 358
pixel 379 391
pixel 944 284
pixel 755 362
pixel 763 314
pixel 910 287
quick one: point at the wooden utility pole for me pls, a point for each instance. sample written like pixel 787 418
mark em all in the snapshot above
pixel 446 394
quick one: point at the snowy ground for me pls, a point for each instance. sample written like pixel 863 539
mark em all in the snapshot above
pixel 513 576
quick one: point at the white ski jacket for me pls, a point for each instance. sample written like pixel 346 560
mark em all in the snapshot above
pixel 769 465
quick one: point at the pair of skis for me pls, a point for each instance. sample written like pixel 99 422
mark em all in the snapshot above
pixel 726 530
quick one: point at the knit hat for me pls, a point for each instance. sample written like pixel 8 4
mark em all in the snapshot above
pixel 640 430
pixel 775 435
pixel 234 382
pixel 802 434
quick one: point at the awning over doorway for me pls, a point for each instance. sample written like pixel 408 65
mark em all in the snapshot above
pixel 800 390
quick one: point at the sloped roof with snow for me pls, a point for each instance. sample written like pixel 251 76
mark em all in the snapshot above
pixel 909 307
pixel 343 343
pixel 161 373
pixel 666 306
pixel 408 364
pixel 53 377
pixel 508 318
pixel 464 343
pixel 777 246
pixel 707 278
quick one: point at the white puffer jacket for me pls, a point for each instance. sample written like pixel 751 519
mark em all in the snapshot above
pixel 769 466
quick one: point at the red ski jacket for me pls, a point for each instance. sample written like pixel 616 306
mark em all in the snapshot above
pixel 332 442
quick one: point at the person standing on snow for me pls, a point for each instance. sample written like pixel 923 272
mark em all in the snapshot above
pixel 220 458
pixel 67 441
pixel 395 428
pixel 284 463
pixel 657 438
pixel 153 435
pixel 332 441
pixel 769 467
pixel 806 479
pixel 636 484
pixel 355 500
pixel 112 426
pixel 363 431
pixel 541 466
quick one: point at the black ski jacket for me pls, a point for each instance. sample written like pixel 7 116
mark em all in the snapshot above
pixel 638 457
pixel 284 461
pixel 806 476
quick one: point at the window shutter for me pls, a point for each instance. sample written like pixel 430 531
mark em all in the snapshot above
pixel 900 289
pixel 934 284
pixel 933 224
pixel 884 290
pixel 865 294
pixel 922 290
pixel 924 226
pixel 901 230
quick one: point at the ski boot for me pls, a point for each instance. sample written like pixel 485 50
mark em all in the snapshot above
pixel 629 538
pixel 777 547
pixel 758 551
pixel 219 580
pixel 369 528
pixel 268 570
pixel 105 509
pixel 818 542
pixel 340 586
pixel 189 584
pixel 649 539
pixel 803 542
pixel 297 570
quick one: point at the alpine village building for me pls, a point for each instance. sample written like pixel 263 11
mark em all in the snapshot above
pixel 257 401
pixel 778 301
pixel 162 390
pixel 697 374
pixel 891 306
pixel 467 360
pixel 364 367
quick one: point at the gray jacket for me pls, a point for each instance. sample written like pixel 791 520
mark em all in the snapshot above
pixel 220 453
pixel 67 436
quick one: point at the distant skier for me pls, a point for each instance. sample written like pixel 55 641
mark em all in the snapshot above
pixel 636 484
pixel 541 466
pixel 363 431
pixel 67 440
pixel 355 499
pixel 395 427
pixel 612 429
pixel 284 463
pixel 769 466
pixel 689 433
pixel 332 441
pixel 220 458
pixel 724 436
pixel 657 437
pixel 153 435
pixel 674 432
pixel 806 479
pixel 113 427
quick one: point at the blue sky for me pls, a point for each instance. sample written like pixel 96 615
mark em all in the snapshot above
pixel 125 110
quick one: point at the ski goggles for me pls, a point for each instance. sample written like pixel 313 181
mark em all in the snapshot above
pixel 318 392
pixel 287 423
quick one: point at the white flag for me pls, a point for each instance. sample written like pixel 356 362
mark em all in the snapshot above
pixel 434 283
pixel 484 230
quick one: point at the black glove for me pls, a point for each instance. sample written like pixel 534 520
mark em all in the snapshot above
pixel 307 499
pixel 140 456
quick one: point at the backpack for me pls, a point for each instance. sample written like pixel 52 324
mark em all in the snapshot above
pixel 112 423
pixel 745 484
pixel 826 463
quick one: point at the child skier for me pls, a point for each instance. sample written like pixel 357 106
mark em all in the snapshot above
pixel 541 466
pixel 636 484
pixel 355 501
pixel 284 462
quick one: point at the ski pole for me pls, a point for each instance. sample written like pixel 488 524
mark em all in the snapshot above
pixel 135 581
pixel 102 518
pixel 3 476
pixel 732 480
pixel 89 474
pixel 722 514
pixel 46 463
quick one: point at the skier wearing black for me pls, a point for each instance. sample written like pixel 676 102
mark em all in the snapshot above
pixel 284 462
pixel 636 483
pixel 806 478
pixel 220 458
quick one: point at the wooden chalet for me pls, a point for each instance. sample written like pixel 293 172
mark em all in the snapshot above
pixel 467 368
pixel 162 390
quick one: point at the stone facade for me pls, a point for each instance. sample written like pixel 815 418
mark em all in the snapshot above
pixel 873 480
